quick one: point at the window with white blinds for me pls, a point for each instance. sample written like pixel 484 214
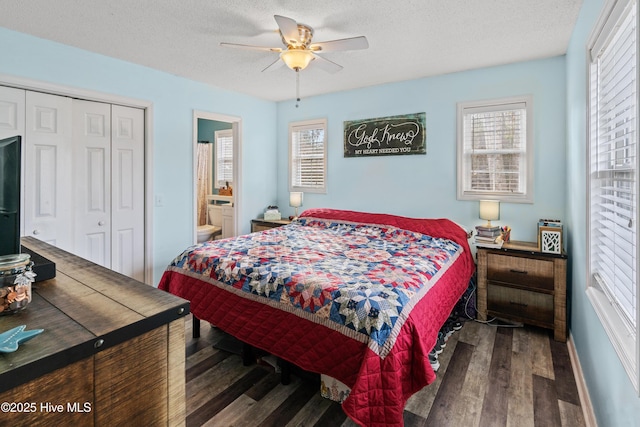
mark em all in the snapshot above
pixel 613 178
pixel 308 156
pixel 223 157
pixel 495 150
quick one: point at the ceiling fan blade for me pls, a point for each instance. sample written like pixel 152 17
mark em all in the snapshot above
pixel 274 65
pixel 288 28
pixel 353 43
pixel 325 64
pixel 251 47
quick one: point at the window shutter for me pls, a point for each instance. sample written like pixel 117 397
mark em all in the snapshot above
pixel 308 156
pixel 614 166
pixel 224 157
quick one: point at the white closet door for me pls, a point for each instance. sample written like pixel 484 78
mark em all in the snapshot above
pixel 48 208
pixel 11 112
pixel 127 210
pixel 12 104
pixel 92 180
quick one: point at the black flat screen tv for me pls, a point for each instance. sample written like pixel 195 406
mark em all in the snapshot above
pixel 10 165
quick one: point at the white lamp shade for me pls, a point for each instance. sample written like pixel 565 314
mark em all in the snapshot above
pixel 296 59
pixel 295 199
pixel 489 209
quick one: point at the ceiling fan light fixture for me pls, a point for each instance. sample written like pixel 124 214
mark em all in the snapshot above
pixel 297 59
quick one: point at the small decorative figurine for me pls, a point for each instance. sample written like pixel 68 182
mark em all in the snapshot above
pixel 10 340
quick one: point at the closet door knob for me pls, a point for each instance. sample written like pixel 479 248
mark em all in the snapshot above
pixel 100 223
pixel 36 232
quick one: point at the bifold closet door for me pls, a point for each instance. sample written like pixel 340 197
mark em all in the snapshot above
pixel 83 175
pixel 109 176
pixel 127 191
pixel 11 112
pixel 48 183
pixel 12 103
pixel 92 180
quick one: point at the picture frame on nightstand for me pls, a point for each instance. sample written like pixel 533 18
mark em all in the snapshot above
pixel 550 236
pixel 550 240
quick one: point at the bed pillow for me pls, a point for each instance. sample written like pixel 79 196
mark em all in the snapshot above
pixel 440 227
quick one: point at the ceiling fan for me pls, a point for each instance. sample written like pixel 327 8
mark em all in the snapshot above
pixel 300 51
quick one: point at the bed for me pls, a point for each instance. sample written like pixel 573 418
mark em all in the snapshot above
pixel 357 296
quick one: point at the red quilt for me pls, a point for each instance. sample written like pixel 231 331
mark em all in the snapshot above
pixel 357 296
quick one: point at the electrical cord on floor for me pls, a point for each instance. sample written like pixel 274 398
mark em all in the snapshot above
pixel 466 304
pixel 490 321
pixel 502 325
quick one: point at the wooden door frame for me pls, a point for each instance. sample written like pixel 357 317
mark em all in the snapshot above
pixel 236 126
pixel 90 95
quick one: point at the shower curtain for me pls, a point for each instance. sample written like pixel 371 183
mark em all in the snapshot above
pixel 204 180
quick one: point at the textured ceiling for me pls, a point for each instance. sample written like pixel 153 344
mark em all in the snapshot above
pixel 408 39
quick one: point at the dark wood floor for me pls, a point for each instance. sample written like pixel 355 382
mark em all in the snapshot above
pixel 489 376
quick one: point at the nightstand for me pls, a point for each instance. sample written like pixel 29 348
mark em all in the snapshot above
pixel 261 224
pixel 522 284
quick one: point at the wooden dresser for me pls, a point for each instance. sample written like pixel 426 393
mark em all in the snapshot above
pixel 520 283
pixel 112 351
pixel 261 224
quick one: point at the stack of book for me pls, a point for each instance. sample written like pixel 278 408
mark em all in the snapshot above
pixel 488 237
pixel 542 222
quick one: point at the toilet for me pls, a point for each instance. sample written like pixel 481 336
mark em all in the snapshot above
pixel 206 232
pixel 214 228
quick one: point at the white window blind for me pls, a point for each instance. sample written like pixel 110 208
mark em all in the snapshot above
pixel 224 157
pixel 613 162
pixel 308 152
pixel 494 147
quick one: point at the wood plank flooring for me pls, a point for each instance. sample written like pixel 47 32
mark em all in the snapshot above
pixel 489 376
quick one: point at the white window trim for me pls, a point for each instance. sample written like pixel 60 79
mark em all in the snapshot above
pixel 317 123
pixel 616 327
pixel 527 196
pixel 225 133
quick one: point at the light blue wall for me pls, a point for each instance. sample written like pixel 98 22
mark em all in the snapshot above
pixel 174 100
pixel 614 399
pixel 425 185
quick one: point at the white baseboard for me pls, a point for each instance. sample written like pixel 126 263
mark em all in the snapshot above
pixel 583 392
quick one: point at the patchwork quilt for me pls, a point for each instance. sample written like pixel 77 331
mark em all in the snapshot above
pixel 356 296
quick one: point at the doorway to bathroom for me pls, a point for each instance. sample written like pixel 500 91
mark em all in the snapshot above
pixel 216 175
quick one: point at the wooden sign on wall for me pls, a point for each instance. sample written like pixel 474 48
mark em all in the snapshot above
pixel 386 136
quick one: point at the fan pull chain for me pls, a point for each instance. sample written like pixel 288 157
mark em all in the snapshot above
pixel 297 86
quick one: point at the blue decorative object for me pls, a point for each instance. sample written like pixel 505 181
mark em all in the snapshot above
pixel 10 340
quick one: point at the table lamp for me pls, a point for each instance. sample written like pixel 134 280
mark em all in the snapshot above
pixel 295 200
pixel 489 210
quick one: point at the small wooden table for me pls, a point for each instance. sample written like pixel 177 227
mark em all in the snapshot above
pixel 262 224
pixel 519 282
pixel 112 351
